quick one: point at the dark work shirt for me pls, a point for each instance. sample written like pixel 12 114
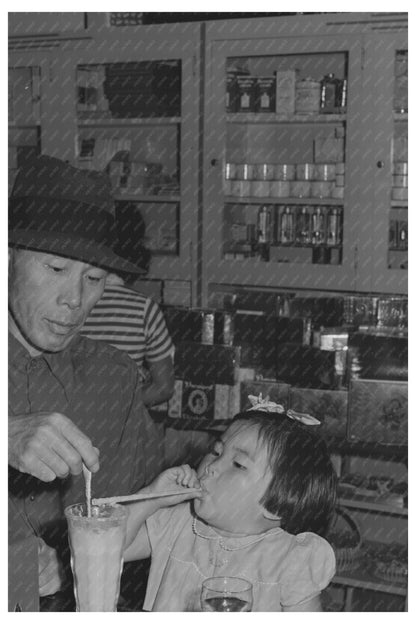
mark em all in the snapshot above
pixel 97 387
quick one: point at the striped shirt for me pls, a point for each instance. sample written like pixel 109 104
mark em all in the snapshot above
pixel 131 322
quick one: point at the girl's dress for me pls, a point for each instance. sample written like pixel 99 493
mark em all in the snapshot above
pixel 285 570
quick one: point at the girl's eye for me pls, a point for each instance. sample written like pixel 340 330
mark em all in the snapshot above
pixel 239 466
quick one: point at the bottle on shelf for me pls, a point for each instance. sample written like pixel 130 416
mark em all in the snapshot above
pixel 333 232
pixel 330 87
pixel 318 226
pixel 287 230
pixel 264 224
pixel 303 226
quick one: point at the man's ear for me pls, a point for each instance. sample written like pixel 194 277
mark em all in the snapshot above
pixel 270 515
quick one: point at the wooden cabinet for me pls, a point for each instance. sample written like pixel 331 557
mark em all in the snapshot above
pixel 298 190
pixel 128 102
pixel 280 187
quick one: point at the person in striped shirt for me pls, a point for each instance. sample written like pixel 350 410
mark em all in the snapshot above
pixel 134 323
pixel 131 321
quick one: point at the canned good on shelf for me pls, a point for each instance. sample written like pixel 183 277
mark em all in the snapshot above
pixel 300 189
pixel 399 193
pixel 324 172
pixel 340 179
pixel 241 188
pixel 340 167
pixel 337 192
pixel 400 181
pixel 285 172
pixel 304 171
pixel 230 171
pixel 260 188
pixel 280 188
pixel 321 189
pixel 228 187
pixel 264 171
pixel 400 168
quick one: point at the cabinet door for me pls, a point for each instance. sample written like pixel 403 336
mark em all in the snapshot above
pixel 383 262
pixel 281 202
pixel 131 104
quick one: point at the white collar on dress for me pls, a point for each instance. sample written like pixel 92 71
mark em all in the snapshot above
pixel 229 543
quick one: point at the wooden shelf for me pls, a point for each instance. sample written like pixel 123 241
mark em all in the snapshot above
pixel 313 201
pixel 370 506
pixel 400 117
pixel 295 118
pixel 108 122
pixel 139 197
pixel 364 580
pixel 399 203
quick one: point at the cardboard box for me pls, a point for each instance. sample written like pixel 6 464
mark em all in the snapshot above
pixel 329 150
pixel 377 357
pixel 285 92
pixel 278 392
pixel 206 364
pixel 378 412
pixel 328 406
pixel 306 367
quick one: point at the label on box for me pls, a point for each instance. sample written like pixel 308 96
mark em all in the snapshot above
pixel 198 401
pixel 266 95
pixel 246 93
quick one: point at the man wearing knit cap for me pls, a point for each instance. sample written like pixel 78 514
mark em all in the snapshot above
pixel 72 401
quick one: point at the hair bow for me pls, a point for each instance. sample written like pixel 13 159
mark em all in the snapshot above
pixel 265 405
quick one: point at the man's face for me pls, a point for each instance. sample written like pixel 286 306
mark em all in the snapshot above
pixel 50 297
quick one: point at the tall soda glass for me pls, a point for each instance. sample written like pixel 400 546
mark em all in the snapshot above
pixel 97 544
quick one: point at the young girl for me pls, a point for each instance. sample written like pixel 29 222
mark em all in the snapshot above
pixel 267 491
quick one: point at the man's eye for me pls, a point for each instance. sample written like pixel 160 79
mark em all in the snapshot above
pixel 94 279
pixel 55 269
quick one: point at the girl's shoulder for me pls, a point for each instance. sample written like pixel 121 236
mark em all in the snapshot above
pixel 311 550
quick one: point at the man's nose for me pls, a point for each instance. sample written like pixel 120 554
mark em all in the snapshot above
pixel 71 293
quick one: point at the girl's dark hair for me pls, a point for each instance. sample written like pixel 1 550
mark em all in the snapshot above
pixel 302 490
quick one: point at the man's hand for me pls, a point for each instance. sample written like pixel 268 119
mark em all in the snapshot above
pixel 50 570
pixel 47 445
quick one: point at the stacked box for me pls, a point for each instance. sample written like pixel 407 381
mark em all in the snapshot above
pixel 206 364
pixel 203 401
pixel 256 335
pixel 277 392
pixel 285 92
pixel 306 367
pixel 378 412
pixel 377 357
pixel 330 407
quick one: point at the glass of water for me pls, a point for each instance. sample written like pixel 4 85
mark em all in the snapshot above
pixel 226 593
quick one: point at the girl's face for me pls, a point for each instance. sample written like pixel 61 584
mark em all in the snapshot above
pixel 234 477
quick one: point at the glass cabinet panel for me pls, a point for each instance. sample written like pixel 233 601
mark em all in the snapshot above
pixel 23 117
pixel 398 228
pixel 129 124
pixel 284 174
